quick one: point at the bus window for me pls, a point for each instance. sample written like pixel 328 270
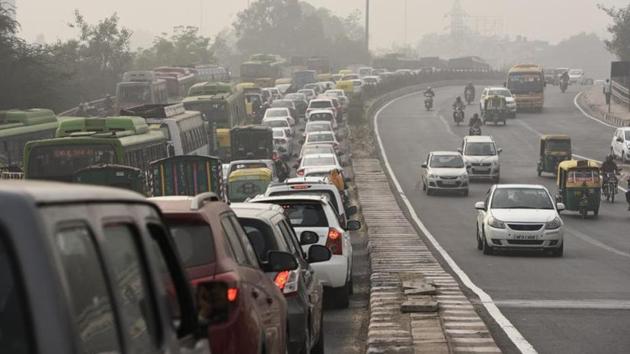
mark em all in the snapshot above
pixel 60 162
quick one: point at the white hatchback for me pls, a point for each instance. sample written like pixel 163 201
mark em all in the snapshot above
pixel 481 156
pixel 519 216
pixel 444 171
pixel 620 144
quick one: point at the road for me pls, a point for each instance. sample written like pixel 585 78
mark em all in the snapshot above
pixel 576 304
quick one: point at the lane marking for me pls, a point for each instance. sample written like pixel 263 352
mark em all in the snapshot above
pixel 508 328
pixel 586 238
pixel 577 105
pixel 448 126
pixel 595 304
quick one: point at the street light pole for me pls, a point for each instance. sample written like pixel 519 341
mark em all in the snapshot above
pixel 367 25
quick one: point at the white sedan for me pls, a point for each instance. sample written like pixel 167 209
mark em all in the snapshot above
pixel 319 163
pixel 446 171
pixel 510 103
pixel 279 112
pixel 519 216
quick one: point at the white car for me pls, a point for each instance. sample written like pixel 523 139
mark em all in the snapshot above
pixel 371 80
pixel 620 144
pixel 321 104
pixel 317 126
pixel 444 171
pixel 309 93
pixel 365 71
pixel 341 96
pixel 313 149
pixel 322 138
pixel 576 76
pixel 323 115
pixel 315 214
pixel 481 157
pixel 320 162
pixel 282 142
pixel 519 216
pixel 272 113
pixel 357 85
pixel 510 103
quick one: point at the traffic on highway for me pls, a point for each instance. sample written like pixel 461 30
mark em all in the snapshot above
pixel 281 187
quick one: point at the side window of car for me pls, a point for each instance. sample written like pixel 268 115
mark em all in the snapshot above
pixel 138 307
pixel 15 336
pixel 86 290
pixel 233 239
pixel 291 238
pixel 247 246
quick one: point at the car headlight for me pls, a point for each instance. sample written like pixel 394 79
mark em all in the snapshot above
pixel 496 223
pixel 553 224
pixel 431 176
pixel 464 176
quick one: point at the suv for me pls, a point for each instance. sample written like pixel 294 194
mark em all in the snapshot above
pixel 620 144
pixel 481 157
pixel 314 213
pixel 268 230
pixel 216 252
pixel 87 269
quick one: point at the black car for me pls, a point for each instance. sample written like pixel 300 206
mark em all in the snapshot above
pixel 268 230
pixel 90 269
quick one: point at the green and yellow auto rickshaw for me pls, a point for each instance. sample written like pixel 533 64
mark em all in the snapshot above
pixel 111 175
pixel 580 186
pixel 248 183
pixel 553 150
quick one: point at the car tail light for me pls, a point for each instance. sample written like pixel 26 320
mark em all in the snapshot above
pixel 220 298
pixel 300 173
pixel 287 281
pixel 334 241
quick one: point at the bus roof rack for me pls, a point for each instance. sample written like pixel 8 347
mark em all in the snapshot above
pixel 200 200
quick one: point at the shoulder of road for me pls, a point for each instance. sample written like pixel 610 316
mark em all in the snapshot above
pixel 592 101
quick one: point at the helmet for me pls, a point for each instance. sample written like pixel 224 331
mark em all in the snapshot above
pixel 609 158
pixel 429 88
pixel 475 115
pixel 470 84
pixel 459 98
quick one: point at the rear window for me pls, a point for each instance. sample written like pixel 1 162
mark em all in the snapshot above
pixel 318 127
pixel 321 104
pixel 320 138
pixel 276 113
pixel 305 214
pixel 278 133
pixel 194 244
pixel 331 195
pixel 318 161
pixel 324 117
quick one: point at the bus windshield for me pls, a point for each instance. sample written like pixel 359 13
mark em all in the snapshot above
pixel 134 93
pixel 60 162
pixel 524 83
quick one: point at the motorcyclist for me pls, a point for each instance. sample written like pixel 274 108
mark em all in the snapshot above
pixel 475 121
pixel 429 92
pixel 609 166
pixel 628 194
pixel 458 105
pixel 469 90
pixel 564 78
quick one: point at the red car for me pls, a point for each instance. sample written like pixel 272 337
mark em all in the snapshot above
pixel 245 310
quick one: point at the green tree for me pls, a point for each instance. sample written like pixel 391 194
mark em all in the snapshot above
pixel 620 31
pixel 184 47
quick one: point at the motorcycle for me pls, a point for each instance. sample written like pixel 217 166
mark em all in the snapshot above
pixel 458 115
pixel 474 131
pixel 428 103
pixel 469 96
pixel 609 189
pixel 564 84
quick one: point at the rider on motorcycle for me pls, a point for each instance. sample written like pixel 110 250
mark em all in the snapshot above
pixel 429 92
pixel 609 166
pixel 469 90
pixel 564 77
pixel 475 121
pixel 459 105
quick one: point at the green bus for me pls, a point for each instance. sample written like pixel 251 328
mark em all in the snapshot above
pixel 85 142
pixel 221 106
pixel 263 69
pixel 17 127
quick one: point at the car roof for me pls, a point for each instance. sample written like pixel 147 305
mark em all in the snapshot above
pixel 184 204
pixel 297 197
pixel 319 99
pixel 479 139
pixel 284 109
pixel 319 122
pixel 531 186
pixel 321 155
pixel 41 192
pixel 256 210
pixel 284 119
pixel 497 88
pixel 447 153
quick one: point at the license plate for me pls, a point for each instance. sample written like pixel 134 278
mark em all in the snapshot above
pixel 524 237
pixel 450 183
pixel 482 170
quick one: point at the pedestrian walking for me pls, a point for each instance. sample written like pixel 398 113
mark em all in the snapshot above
pixel 607 91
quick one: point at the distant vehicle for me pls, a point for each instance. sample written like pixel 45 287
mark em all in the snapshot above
pixel 141 87
pixel 83 142
pixel 517 217
pixel 349 77
pixel 510 102
pixel 178 81
pixel 17 127
pixel 212 73
pixel 319 64
pixel 283 143
pixel 318 126
pixel 279 112
pixel 576 76
pixel 341 96
pixel 371 80
pixel 314 149
pixel 527 83
pixel 481 157
pixel 620 145
pixel 357 86
pixel 364 71
pixel 321 162
pixel 187 175
pixel 309 93
pixel 300 101
pixel 322 138
pixel 319 104
pixel 444 171
pixel 251 142
pixel 315 86
pixel 109 270
pixel 279 123
pixel 301 78
pixel 286 103
pixel 323 115
pixel 263 69
pixel 221 106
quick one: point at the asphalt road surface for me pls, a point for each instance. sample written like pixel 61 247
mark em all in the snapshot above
pixel 576 304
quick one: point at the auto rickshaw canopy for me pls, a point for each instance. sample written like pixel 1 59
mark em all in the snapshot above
pixel 579 174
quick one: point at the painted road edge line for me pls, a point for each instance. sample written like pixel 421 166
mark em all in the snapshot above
pixel 508 328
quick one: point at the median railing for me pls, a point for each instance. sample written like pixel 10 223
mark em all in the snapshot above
pixel 620 93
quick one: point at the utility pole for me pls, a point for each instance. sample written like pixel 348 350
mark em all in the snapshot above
pixel 405 23
pixel 367 25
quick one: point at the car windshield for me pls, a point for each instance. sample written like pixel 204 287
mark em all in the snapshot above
pixel 277 133
pixel 327 117
pixel 305 214
pixel 480 149
pixel 321 104
pixel 194 243
pixel 446 161
pixel 276 113
pixel 318 161
pixel 521 198
pixel 504 93
pixel 276 123
pixel 317 149
pixel 320 138
pixel 558 145
pixel 627 134
pixel 318 127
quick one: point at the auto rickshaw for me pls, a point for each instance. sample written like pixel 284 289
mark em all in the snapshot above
pixel 495 110
pixel 553 150
pixel 580 186
pixel 248 183
pixel 224 144
pixel 118 176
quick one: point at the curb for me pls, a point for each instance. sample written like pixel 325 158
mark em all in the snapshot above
pixel 581 101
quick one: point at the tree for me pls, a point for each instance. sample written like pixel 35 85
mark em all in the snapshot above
pixel 183 47
pixel 620 30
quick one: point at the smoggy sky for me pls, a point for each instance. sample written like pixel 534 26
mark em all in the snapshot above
pixel 550 20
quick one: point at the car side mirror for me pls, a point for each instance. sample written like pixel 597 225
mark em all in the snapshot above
pixel 460 151
pixel 480 206
pixel 424 165
pixel 319 253
pixel 308 238
pixel 353 225
pixel 500 150
pixel 279 261
pixel 350 211
pixel 620 139
pixel 560 207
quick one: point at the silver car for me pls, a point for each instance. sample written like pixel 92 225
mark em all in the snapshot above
pixel 444 171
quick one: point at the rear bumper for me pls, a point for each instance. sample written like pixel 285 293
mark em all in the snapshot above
pixel 298 323
pixel 333 273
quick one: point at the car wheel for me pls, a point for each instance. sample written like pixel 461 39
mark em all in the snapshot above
pixel 558 252
pixel 351 287
pixel 465 193
pixel 487 249
pixel 479 244
pixel 318 348
pixel 340 296
pixel 428 191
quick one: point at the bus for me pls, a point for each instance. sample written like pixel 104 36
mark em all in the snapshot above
pixel 84 142
pixel 213 73
pixel 527 84
pixel 320 64
pixel 140 87
pixel 178 81
pixel 185 131
pixel 17 127
pixel 220 105
pixel 263 69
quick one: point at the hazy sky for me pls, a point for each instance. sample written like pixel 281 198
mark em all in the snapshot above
pixel 550 20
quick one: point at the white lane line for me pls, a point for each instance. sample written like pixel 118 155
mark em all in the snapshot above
pixel 566 304
pixel 515 336
pixel 586 238
pixel 448 126
pixel 577 105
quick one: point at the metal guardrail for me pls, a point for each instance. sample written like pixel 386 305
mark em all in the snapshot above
pixel 620 93
pixel 11 175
